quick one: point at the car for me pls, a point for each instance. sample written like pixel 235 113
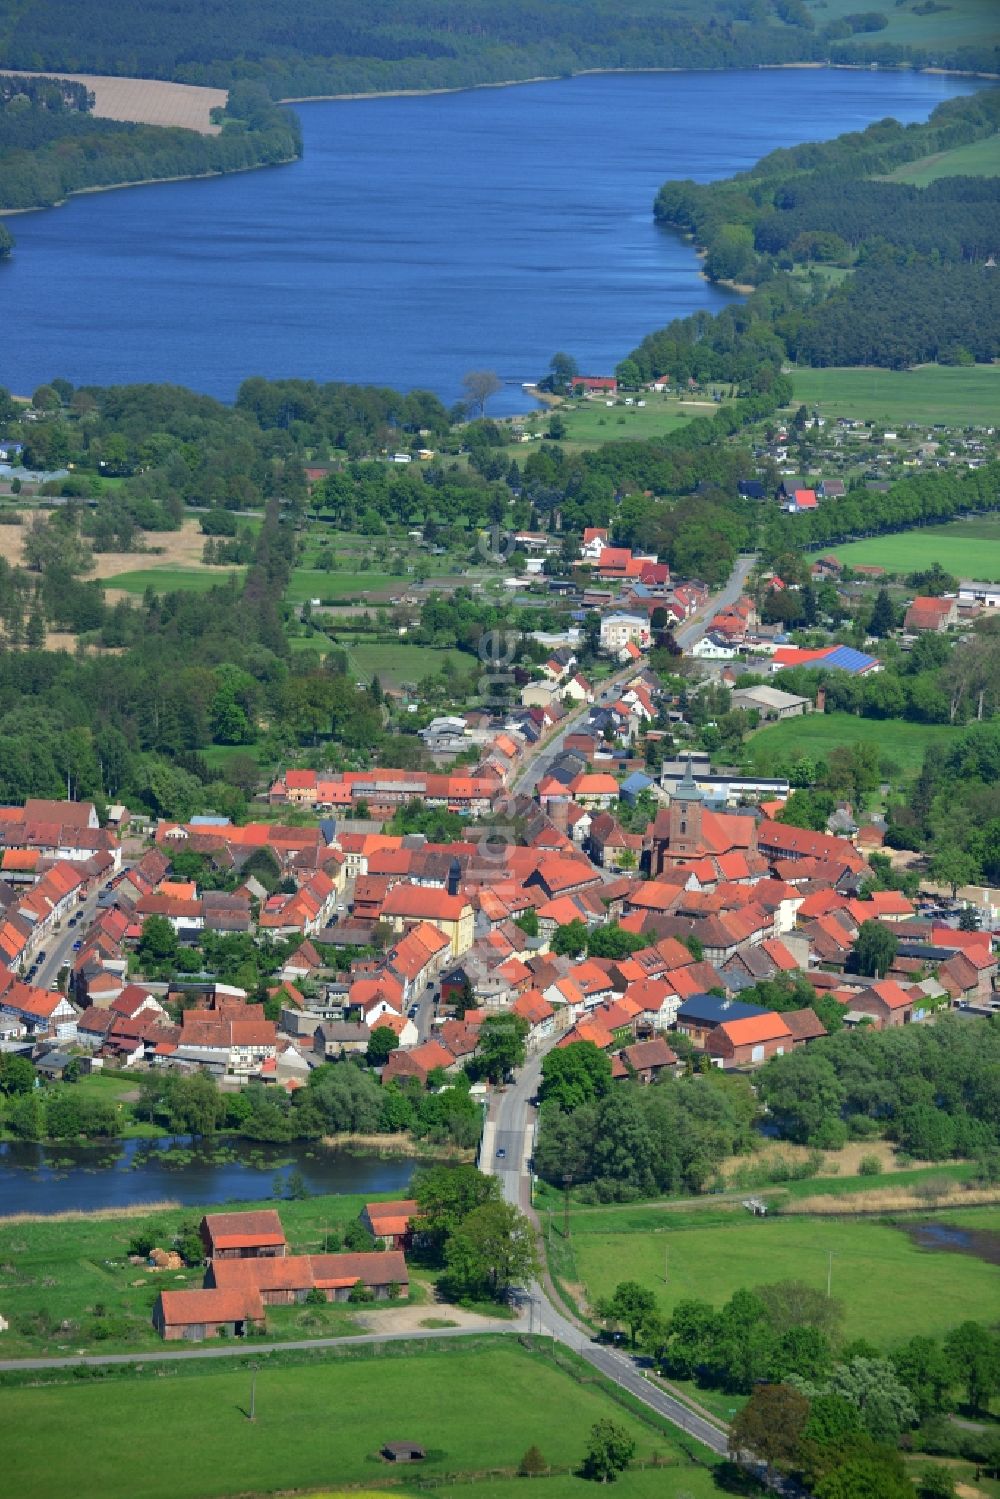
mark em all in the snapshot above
pixel 77 945
pixel 501 1153
pixel 40 959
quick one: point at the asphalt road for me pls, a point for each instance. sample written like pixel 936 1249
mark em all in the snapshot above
pixel 57 945
pixel 686 636
pixel 514 1126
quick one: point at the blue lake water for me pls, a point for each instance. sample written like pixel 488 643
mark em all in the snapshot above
pixel 418 238
pixel 71 1177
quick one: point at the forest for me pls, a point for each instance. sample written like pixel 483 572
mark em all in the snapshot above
pixel 440 43
pixel 50 145
pixel 919 260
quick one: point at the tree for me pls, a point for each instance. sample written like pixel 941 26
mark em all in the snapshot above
pixel 575 1075
pixel 17 1076
pixel 631 1304
pixel 445 1196
pixel 804 1094
pixel 882 1400
pixel 609 1452
pixel 562 368
pixel 492 1250
pixel 975 1353
pixel 770 1425
pixel 953 866
pixel 936 1483
pixel 874 949
pixel 382 1042
pixel 569 940
pixel 532 1464
pixel 879 1474
pixel 501 1046
pixel 883 619
pixel 158 943
pixel 479 386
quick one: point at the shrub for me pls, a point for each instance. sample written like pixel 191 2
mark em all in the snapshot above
pixel 532 1463
pixel 869 1165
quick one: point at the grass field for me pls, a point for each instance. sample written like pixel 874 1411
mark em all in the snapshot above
pixel 959 23
pixel 394 664
pixel 978 159
pixel 473 1407
pixel 592 422
pixel 66 1282
pixel 169 579
pixel 901 744
pixel 930 393
pixel 314 583
pixel 968 548
pixel 711 1260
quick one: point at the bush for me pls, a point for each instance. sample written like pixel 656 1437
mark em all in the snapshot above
pixel 869 1165
pixel 141 1243
pixel 532 1463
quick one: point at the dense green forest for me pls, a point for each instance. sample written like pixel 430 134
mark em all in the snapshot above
pixel 920 284
pixel 51 145
pixel 350 47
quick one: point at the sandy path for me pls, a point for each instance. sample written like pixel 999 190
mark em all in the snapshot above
pixel 147 101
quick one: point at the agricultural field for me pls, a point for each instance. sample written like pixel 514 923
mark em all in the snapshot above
pixel 977 159
pixel 902 744
pixel 66 1283
pixel 317 1423
pixel 952 394
pixel 171 579
pixel 968 548
pixel 959 23
pixel 316 583
pixel 711 1257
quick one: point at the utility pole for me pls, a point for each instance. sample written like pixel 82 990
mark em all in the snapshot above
pixel 666 1266
pixel 567 1183
pixel 829 1274
pixel 253 1393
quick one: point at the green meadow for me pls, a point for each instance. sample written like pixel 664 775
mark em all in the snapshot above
pixel 953 394
pixel 169 579
pixel 977 159
pixel 474 1406
pixel 682 1257
pixel 593 422
pixel 968 548
pixel 901 744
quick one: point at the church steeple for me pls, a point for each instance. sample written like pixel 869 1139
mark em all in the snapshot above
pixel 685 817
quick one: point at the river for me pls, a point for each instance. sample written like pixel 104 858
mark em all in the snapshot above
pixel 67 1178
pixel 418 238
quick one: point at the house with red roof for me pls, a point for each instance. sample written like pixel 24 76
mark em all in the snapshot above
pixel 931 615
pixel 749 1041
pixel 887 1004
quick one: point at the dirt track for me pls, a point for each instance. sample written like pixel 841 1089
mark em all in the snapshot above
pixel 148 101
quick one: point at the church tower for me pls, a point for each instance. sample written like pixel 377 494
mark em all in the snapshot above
pixel 685 819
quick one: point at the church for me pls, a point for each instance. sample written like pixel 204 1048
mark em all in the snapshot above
pixel 687 830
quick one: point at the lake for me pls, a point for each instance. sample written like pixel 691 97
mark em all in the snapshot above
pixel 68 1177
pixel 418 238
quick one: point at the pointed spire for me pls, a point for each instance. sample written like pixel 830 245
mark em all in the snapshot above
pixel 686 790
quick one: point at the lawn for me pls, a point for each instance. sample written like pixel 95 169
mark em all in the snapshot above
pixel 977 159
pixel 952 394
pixel 170 579
pixel 394 664
pixel 681 1482
pixel 969 548
pixel 901 744
pixel 472 1406
pixel 711 1261
pixel 66 1282
pixel 315 583
pixel 594 422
